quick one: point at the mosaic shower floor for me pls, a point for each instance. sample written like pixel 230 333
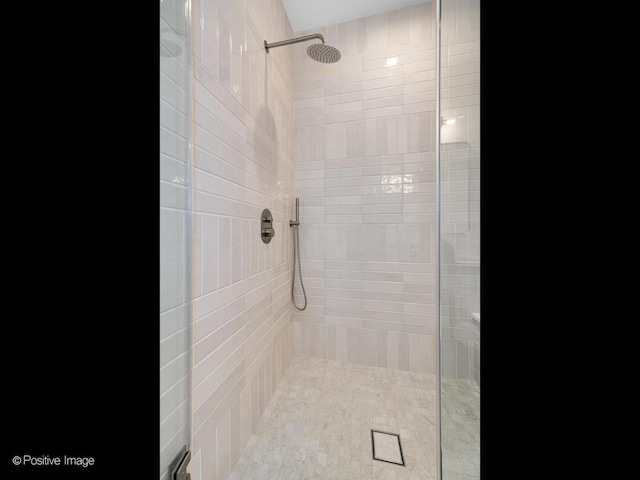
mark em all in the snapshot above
pixel 318 425
pixel 460 429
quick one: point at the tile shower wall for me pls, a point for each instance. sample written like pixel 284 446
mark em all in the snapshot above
pixel 243 163
pixel 460 164
pixel 365 172
pixel 174 215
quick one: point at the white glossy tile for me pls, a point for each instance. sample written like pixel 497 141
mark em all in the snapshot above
pixel 208 35
pixel 224 53
pixel 209 459
pixel 223 447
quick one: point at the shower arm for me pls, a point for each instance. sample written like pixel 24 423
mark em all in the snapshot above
pixel 267 46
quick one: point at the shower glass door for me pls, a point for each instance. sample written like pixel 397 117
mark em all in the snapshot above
pixel 459 267
pixel 174 232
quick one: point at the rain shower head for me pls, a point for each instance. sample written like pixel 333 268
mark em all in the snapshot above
pixel 318 52
pixel 323 53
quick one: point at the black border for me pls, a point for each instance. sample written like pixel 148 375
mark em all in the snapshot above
pixel 373 447
pixel 82 243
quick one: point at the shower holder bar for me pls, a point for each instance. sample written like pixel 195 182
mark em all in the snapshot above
pixel 296 222
pixel 296 255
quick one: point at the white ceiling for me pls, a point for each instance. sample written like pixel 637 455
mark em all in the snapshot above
pixel 309 14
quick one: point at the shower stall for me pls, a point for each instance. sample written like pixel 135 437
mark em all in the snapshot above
pixel 320 240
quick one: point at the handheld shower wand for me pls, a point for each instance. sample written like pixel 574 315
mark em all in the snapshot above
pixel 296 253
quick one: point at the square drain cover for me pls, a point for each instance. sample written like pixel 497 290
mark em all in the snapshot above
pixel 386 447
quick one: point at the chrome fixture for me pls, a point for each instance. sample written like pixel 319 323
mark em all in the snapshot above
pixel 318 51
pixel 266 226
pixel 296 253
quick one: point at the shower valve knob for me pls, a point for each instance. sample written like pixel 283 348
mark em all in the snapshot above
pixel 266 226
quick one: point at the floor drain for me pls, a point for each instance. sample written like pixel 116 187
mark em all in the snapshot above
pixel 386 447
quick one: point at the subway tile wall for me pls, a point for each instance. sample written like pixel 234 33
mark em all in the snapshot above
pixel 243 163
pixel 364 152
pixel 460 166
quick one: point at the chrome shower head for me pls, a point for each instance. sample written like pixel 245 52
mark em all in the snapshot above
pixel 318 52
pixel 323 53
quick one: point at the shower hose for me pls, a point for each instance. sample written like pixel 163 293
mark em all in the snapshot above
pixel 296 253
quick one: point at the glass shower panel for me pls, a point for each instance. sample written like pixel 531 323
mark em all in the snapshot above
pixel 174 232
pixel 460 238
